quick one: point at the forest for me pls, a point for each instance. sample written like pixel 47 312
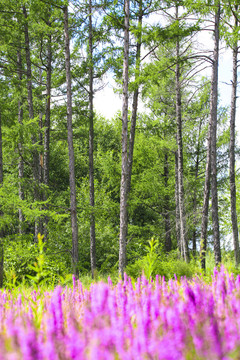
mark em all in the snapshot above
pixel 157 184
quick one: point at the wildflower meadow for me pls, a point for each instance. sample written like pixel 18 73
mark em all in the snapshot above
pixel 178 319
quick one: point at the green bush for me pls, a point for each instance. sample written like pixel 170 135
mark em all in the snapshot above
pixel 156 262
pixel 21 259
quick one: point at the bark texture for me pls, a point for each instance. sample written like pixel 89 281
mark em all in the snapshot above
pixel 206 195
pixel 183 233
pixel 211 163
pixel 232 154
pixel 47 125
pixel 179 244
pixel 124 171
pixel 195 217
pixel 20 161
pixel 167 223
pixel 214 101
pixel 35 161
pixel 73 201
pixel 91 144
pixel 135 98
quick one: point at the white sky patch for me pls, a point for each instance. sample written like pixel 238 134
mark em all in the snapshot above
pixel 106 101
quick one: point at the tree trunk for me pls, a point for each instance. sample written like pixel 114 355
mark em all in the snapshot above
pixel 183 233
pixel 214 100
pixel 179 245
pixel 168 240
pixel 47 125
pixel 232 154
pixel 124 173
pixel 35 162
pixel 204 224
pixel 20 161
pixel 91 143
pixel 73 201
pixel 135 98
pixel 40 161
pixel 195 217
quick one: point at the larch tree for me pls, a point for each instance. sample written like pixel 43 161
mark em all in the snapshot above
pixel 211 162
pixel 232 145
pixel 214 114
pixel 35 155
pixel 183 232
pixel 124 171
pixel 72 184
pixel 91 144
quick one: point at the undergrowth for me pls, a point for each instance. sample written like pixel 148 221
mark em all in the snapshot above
pixel 155 262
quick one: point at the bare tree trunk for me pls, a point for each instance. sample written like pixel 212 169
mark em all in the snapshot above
pixel 179 244
pixel 232 153
pixel 91 143
pixel 73 200
pixel 204 224
pixel 20 161
pixel 35 163
pixel 211 167
pixel 124 174
pixel 195 220
pixel 135 98
pixel 183 233
pixel 214 100
pixel 168 240
pixel 40 161
pixel 47 125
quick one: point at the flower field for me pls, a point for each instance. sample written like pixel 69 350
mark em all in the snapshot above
pixel 147 320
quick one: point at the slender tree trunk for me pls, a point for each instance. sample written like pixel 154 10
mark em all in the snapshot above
pixel 91 143
pixel 20 161
pixel 1 212
pixel 47 125
pixel 168 240
pixel 124 174
pixel 35 162
pixel 195 217
pixel 183 233
pixel 214 100
pixel 211 167
pixel 73 200
pixel 232 154
pixel 204 224
pixel 40 160
pixel 195 221
pixel 135 98
pixel 179 244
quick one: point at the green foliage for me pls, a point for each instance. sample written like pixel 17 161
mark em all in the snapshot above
pixel 156 262
pixel 30 263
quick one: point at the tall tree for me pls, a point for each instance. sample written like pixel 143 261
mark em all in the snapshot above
pixel 91 144
pixel 168 239
pixel 136 91
pixel 73 200
pixel 35 160
pixel 214 106
pixel 232 139
pixel 47 125
pixel 211 164
pixel 124 173
pixel 20 147
pixel 183 232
